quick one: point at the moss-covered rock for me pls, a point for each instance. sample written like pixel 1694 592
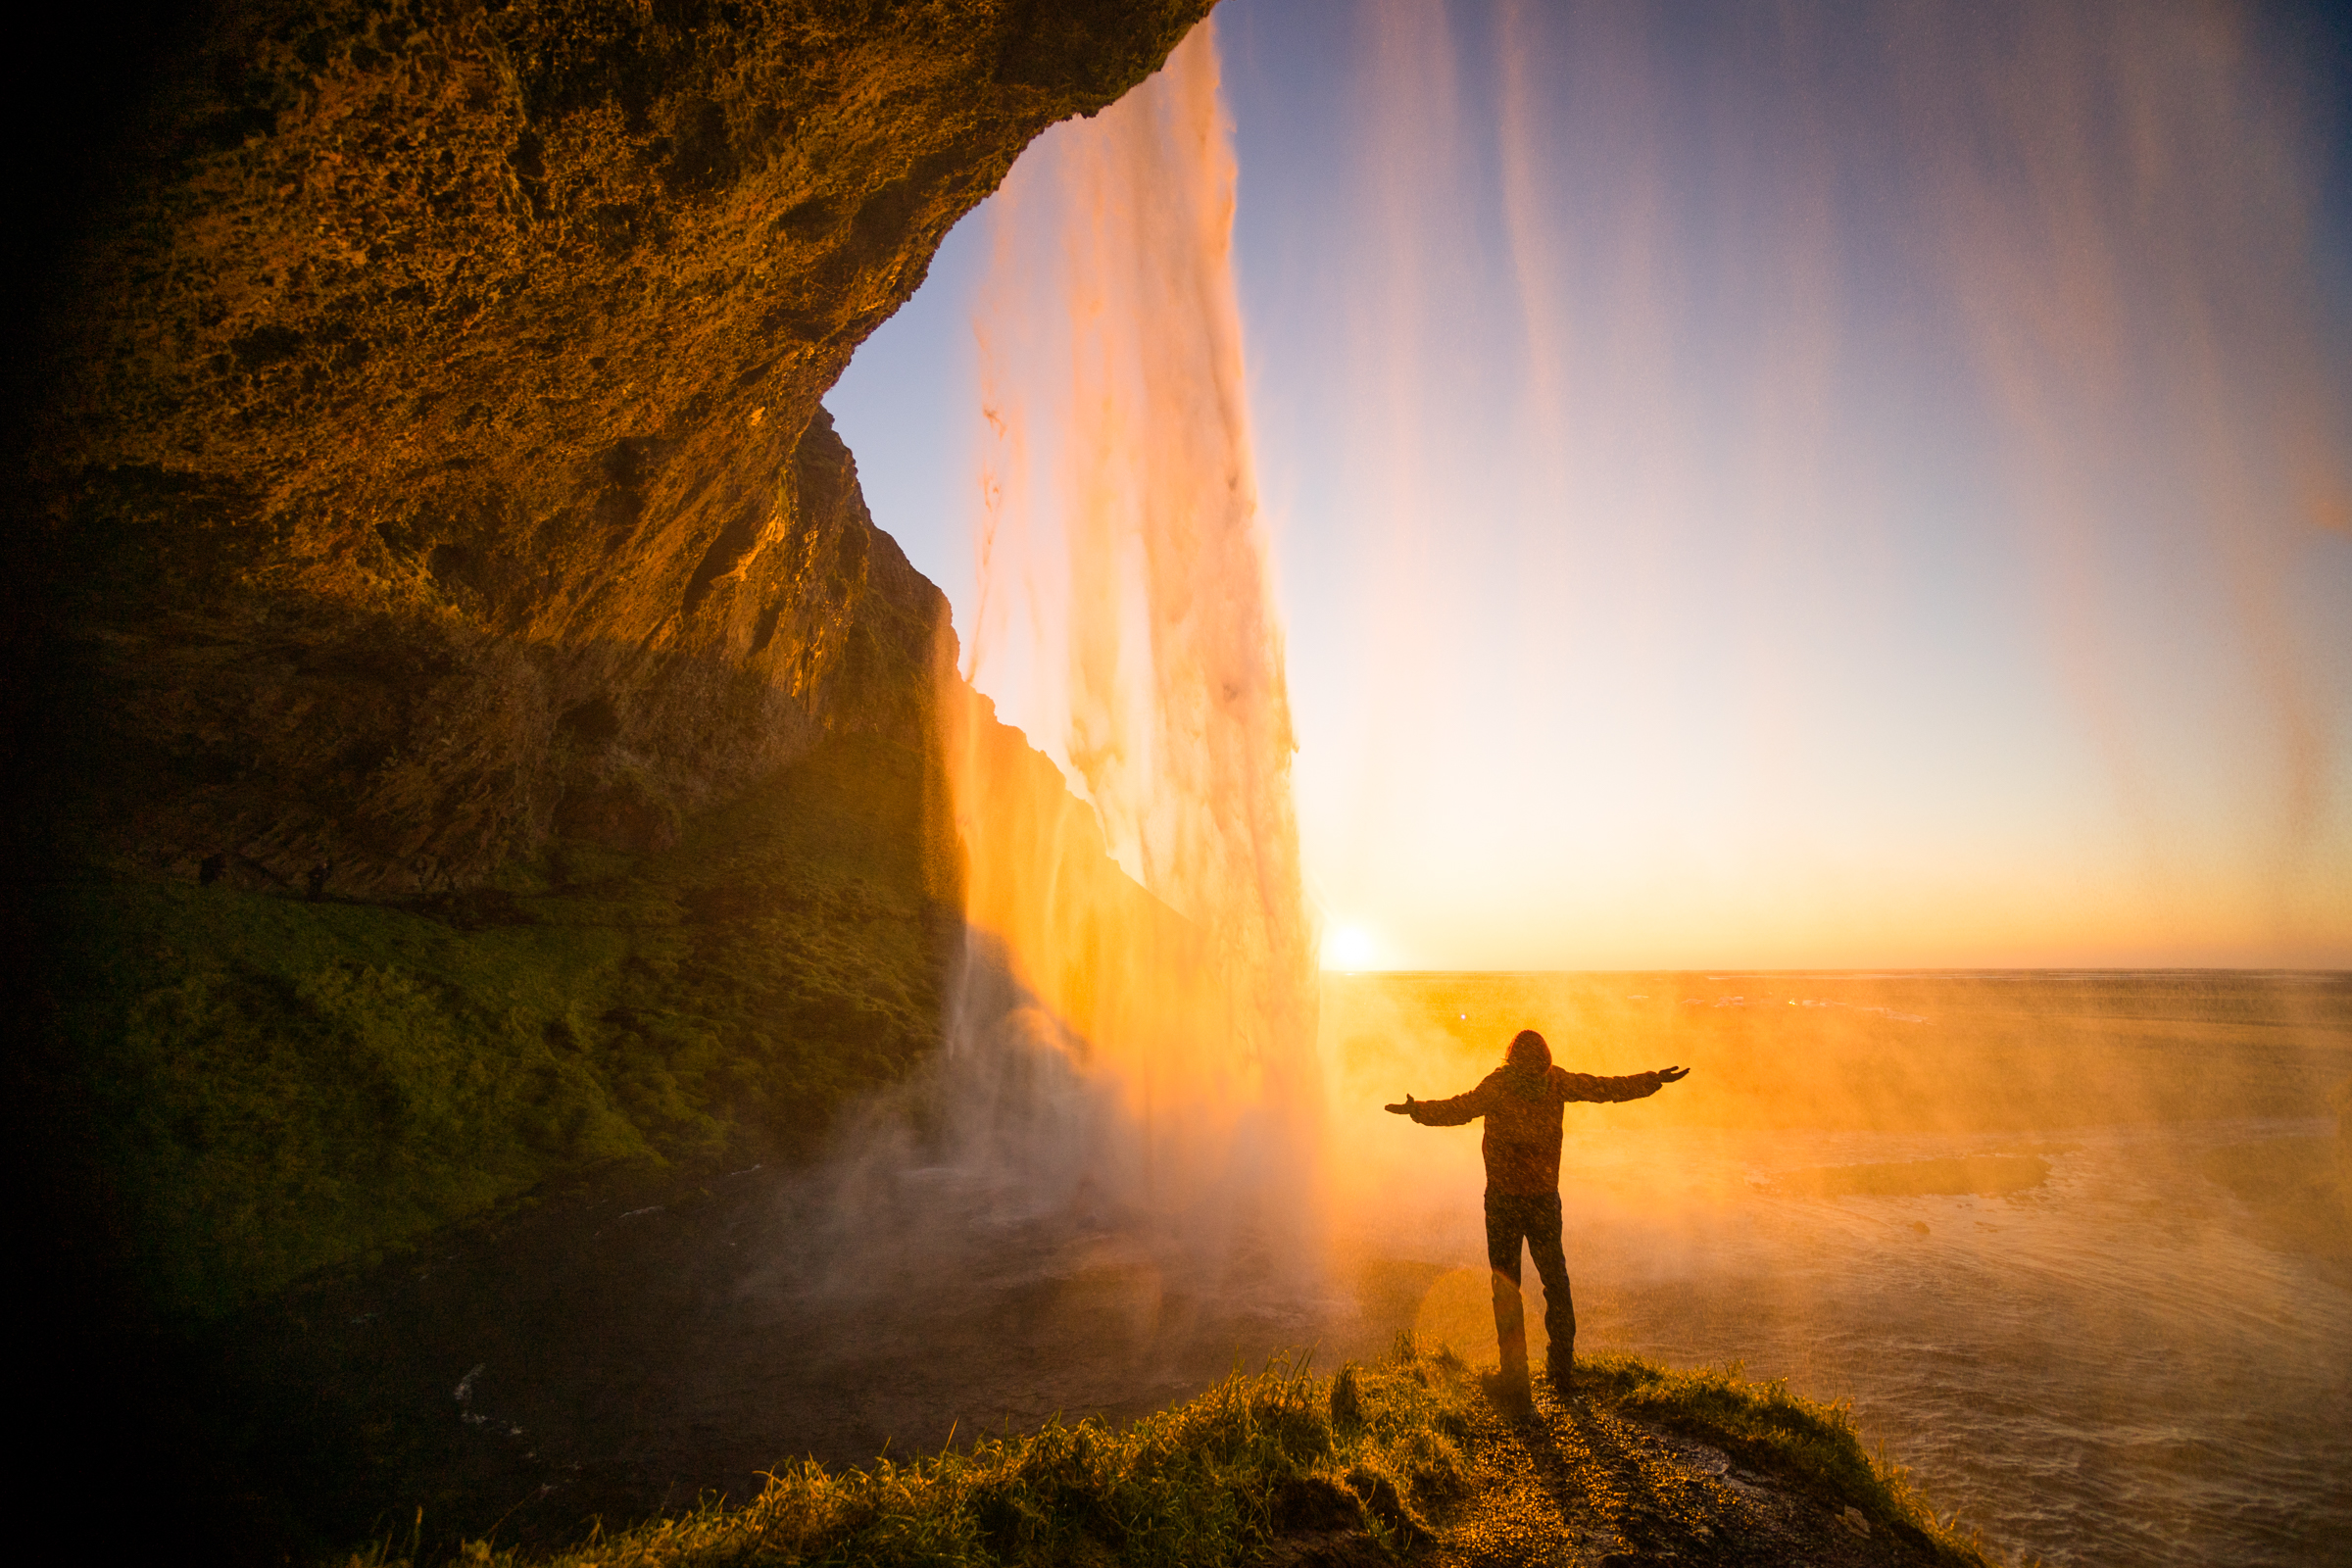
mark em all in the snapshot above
pixel 283 1085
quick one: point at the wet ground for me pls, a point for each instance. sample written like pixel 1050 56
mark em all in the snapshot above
pixel 2092 1344
pixel 2103 1368
pixel 611 1356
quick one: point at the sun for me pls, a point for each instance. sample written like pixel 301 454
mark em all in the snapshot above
pixel 1346 946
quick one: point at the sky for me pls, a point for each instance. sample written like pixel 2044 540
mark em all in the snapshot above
pixel 1838 486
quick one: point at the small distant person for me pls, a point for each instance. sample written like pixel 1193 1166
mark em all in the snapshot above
pixel 316 880
pixel 1522 1100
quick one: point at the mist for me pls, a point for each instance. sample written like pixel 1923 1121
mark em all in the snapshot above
pixel 2073 1244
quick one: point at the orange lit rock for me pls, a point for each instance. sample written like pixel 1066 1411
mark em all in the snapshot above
pixel 429 449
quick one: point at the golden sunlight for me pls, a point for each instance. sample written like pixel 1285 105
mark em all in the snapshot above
pixel 1347 948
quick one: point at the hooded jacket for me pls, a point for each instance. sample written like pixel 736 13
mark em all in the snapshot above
pixel 1521 1108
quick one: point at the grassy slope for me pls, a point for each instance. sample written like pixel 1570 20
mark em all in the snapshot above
pixel 279 1086
pixel 1396 1455
pixel 1781 1433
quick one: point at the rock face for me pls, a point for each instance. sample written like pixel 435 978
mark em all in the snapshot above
pixel 428 457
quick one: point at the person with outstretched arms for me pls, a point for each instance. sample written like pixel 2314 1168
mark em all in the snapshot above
pixel 1522 1102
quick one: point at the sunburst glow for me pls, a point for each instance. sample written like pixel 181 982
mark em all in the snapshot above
pixel 1348 946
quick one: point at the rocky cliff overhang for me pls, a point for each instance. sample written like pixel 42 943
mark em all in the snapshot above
pixel 426 454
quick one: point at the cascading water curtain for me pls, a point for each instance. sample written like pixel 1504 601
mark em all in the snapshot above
pixel 1127 616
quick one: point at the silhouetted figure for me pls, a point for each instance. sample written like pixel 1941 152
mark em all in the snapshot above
pixel 318 879
pixel 1522 1100
pixel 210 872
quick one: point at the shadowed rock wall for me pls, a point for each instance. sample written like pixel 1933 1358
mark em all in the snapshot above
pixel 428 454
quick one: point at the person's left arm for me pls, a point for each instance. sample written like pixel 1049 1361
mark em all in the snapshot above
pixel 1587 1086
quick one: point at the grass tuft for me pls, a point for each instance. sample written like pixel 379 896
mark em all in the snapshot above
pixel 1767 1426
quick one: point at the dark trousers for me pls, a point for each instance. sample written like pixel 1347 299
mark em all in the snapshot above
pixel 1535 1220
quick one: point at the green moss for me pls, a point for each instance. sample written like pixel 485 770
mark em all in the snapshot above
pixel 279 1086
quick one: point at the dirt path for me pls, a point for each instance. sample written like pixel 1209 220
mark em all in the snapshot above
pixel 1574 1482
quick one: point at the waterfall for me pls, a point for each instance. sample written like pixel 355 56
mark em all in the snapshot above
pixel 1131 1029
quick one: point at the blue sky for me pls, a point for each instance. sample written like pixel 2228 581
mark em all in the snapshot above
pixel 1839 485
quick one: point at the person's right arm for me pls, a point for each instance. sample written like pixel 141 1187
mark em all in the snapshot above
pixel 1444 1113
